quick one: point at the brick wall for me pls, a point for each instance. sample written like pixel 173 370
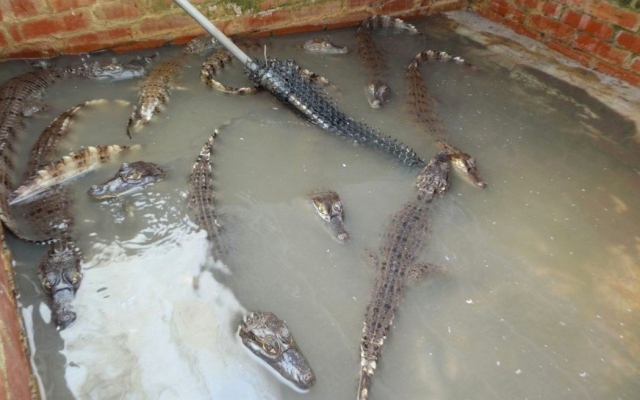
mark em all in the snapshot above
pixel 601 34
pixel 35 28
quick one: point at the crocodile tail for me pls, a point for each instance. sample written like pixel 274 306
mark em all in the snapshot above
pixel 134 115
pixel 366 379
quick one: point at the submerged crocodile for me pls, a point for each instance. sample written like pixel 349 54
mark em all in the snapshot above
pixel 66 168
pixel 374 60
pixel 19 97
pixel 129 178
pixel 422 109
pixel 329 207
pixel 201 197
pixel 200 44
pixel 323 46
pixel 218 60
pixel 155 92
pixel 396 265
pixel 268 337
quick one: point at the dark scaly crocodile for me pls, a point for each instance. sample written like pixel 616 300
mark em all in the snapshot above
pixel 283 79
pixel 19 97
pixel 374 60
pixel 66 168
pixel 201 197
pixel 396 265
pixel 323 46
pixel 422 109
pixel 155 92
pixel 129 178
pixel 214 64
pixel 329 207
pixel 268 337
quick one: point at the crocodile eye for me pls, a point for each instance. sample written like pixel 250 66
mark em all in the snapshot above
pixel 47 284
pixel 132 175
pixel 76 278
pixel 337 207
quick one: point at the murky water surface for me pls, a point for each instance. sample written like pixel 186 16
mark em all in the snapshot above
pixel 541 293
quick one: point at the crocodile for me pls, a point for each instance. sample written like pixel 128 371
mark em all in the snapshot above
pixel 19 97
pixel 422 109
pixel 155 92
pixel 116 71
pixel 268 338
pixel 214 64
pixel 323 46
pixel 402 243
pixel 374 59
pixel 129 178
pixel 66 168
pixel 283 79
pixel 433 180
pixel 50 215
pixel 201 197
pixel 199 45
pixel 329 207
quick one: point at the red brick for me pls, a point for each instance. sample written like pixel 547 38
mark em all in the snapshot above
pixel 32 52
pixel 63 5
pixel 573 3
pixel 117 10
pixel 393 6
pixel 271 4
pixel 489 15
pixel 23 8
pixel 262 21
pixel 0 15
pixel 551 9
pixel 605 11
pixel 552 28
pixel 602 50
pixel 3 39
pixel 499 6
pixel 629 41
pixel 52 26
pixel 528 3
pixel 578 56
pixel 628 76
pixel 166 23
pixel 515 14
pixel 522 30
pixel 14 31
pixel 96 40
pixel 588 24
pixel 141 45
pixel 635 65
pixel 431 8
pixel 351 4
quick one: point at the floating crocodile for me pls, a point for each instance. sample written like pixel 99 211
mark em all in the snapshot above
pixel 155 92
pixel 129 178
pixel 329 207
pixel 323 46
pixel 218 60
pixel 201 197
pixel 66 168
pixel 50 216
pixel 422 109
pixel 374 60
pixel 200 44
pixel 396 265
pixel 268 337
pixel 19 97
pixel 285 81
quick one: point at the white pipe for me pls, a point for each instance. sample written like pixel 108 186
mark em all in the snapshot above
pixel 216 33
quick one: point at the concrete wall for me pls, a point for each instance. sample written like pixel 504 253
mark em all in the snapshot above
pixel 35 28
pixel 600 34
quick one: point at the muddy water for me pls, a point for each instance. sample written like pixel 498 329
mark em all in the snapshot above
pixel 540 295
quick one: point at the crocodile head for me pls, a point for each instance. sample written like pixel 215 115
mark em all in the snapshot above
pixel 61 276
pixel 467 164
pixel 130 177
pixel 463 162
pixel 114 70
pixel 323 46
pixel 329 207
pixel 433 180
pixel 268 337
pixel 377 93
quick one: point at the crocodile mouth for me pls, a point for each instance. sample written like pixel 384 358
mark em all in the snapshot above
pixel 61 309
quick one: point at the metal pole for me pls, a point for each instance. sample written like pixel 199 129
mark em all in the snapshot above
pixel 216 33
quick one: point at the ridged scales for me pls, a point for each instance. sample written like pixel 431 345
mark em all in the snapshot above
pixel 283 80
pixel 201 197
